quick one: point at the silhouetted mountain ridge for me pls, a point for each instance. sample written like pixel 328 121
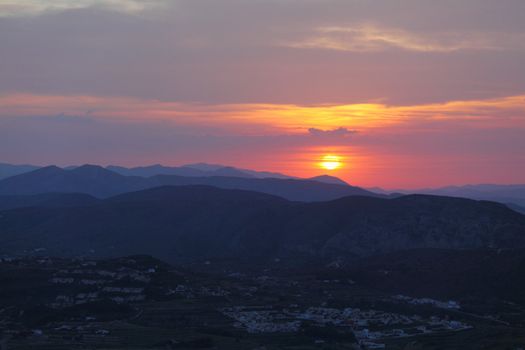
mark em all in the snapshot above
pixel 197 169
pixel 200 222
pixel 100 182
pixel 328 179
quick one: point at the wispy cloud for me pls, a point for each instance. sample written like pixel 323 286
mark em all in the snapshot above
pixel 373 38
pixel 339 120
pixel 22 8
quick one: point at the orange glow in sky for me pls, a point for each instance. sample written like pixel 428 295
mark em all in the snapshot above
pixel 391 146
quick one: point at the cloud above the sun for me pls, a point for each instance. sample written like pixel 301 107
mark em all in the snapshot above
pixel 337 132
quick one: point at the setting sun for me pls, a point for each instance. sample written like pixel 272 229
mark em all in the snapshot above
pixel 330 162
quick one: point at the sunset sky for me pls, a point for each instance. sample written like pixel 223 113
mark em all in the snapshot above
pixel 407 94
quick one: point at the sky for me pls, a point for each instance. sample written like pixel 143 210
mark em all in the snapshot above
pixel 406 94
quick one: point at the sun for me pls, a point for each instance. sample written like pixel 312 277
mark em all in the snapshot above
pixel 330 162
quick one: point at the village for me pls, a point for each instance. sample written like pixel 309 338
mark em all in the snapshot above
pixel 368 326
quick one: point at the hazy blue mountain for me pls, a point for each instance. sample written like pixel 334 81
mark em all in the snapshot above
pixel 7 170
pixel 291 189
pixel 197 169
pixel 500 193
pixel 89 179
pixel 157 169
pixel 513 195
pixel 267 174
pixel 229 171
pixel 328 179
pixel 204 166
pixel 101 182
pixel 47 200
pixel 381 190
pixel 199 222
pixel 259 174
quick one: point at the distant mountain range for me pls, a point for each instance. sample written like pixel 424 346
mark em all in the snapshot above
pixel 181 223
pixel 100 182
pixel 511 195
pixel 196 169
pixel 93 180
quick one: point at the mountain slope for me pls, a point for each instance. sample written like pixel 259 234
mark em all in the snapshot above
pixel 516 207
pixel 8 170
pixel 329 180
pixel 49 200
pixel 199 222
pixel 511 194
